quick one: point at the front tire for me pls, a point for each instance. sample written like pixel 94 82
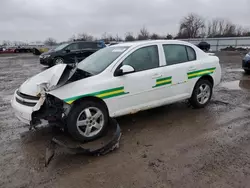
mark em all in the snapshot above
pixel 87 120
pixel 202 94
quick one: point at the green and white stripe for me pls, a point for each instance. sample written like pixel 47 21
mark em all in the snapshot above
pixel 200 73
pixel 163 81
pixel 104 94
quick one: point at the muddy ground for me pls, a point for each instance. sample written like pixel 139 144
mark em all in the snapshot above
pixel 171 146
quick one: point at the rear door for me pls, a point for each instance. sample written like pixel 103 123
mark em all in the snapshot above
pixel 72 52
pixel 180 60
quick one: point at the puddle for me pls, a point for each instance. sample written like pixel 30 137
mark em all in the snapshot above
pixel 236 85
pixel 235 70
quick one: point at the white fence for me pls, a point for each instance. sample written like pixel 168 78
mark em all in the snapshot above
pixel 218 43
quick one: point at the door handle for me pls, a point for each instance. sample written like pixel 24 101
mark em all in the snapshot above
pixel 192 68
pixel 157 76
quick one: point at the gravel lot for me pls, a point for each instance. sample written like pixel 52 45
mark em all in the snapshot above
pixel 171 146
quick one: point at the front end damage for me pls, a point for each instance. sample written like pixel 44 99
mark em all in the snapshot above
pixel 32 102
pixel 51 109
pixel 44 108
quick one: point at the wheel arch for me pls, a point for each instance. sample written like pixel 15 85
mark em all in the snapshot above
pixel 91 98
pixel 207 77
pixel 58 56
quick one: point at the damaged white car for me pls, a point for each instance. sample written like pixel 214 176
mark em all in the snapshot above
pixel 115 81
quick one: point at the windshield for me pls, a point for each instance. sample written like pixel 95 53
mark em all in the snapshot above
pixel 61 46
pixel 100 60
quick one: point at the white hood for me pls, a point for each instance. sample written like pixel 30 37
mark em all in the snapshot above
pixel 48 78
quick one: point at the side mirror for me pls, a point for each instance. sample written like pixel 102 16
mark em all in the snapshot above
pixel 67 50
pixel 125 69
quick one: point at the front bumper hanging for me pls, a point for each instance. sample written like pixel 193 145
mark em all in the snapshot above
pixel 109 142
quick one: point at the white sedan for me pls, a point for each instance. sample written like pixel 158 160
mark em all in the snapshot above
pixel 115 81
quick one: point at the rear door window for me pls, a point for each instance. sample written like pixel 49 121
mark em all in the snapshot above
pixel 175 54
pixel 191 53
pixel 84 45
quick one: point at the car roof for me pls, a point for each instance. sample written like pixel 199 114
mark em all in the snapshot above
pixel 81 41
pixel 150 42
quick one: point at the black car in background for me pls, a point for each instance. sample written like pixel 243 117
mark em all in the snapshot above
pixel 204 46
pixel 246 63
pixel 68 52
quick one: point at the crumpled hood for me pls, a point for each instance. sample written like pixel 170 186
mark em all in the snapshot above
pixel 48 79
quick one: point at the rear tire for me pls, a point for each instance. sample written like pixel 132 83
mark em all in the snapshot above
pixel 87 120
pixel 202 94
pixel 58 60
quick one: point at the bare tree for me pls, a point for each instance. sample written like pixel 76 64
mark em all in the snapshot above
pixel 50 42
pixel 239 31
pixel 73 38
pixel 111 38
pixel 155 36
pixel 223 28
pixel 169 36
pixel 129 36
pixel 143 34
pixel 191 26
pixel 107 37
pixel 246 33
pixel 85 37
pixel 118 38
pixel 6 43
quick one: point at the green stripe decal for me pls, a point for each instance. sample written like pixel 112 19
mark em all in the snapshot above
pixel 163 81
pixel 104 94
pixel 200 73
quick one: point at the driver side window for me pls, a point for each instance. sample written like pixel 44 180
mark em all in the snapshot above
pixel 72 47
pixel 143 59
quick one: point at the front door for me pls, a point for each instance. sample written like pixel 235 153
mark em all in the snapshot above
pixel 140 86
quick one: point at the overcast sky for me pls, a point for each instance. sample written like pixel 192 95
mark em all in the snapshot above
pixel 29 20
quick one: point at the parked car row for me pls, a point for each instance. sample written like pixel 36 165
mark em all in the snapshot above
pixel 114 81
pixel 15 50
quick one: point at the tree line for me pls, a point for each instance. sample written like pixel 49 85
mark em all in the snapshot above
pixel 191 26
